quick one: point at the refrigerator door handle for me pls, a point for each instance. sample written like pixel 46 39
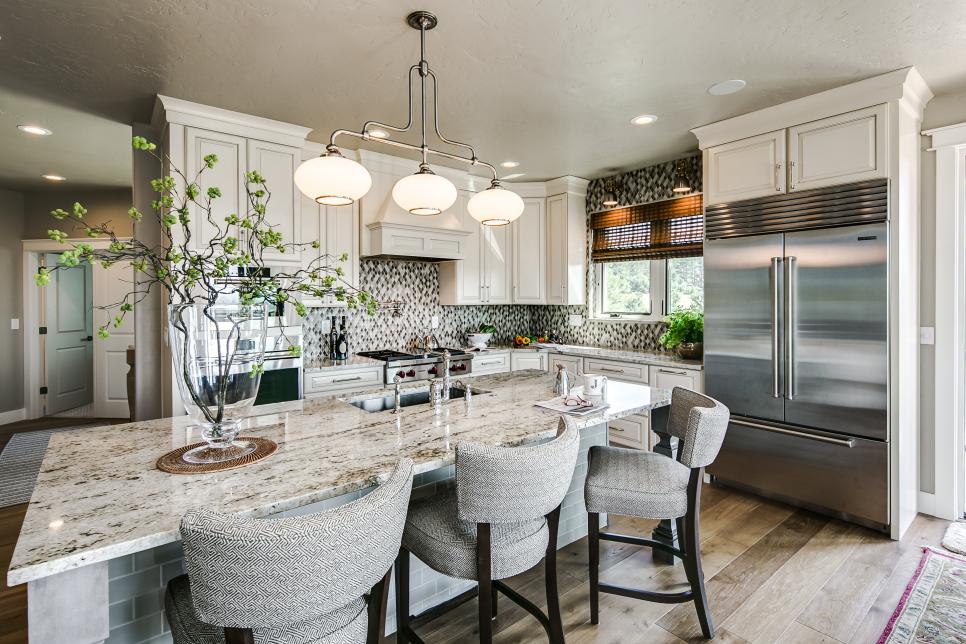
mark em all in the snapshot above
pixel 776 356
pixel 790 328
pixel 842 442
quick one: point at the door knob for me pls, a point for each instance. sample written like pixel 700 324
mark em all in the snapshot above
pixel 88 338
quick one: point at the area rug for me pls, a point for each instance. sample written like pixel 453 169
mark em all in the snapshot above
pixel 955 537
pixel 20 463
pixel 933 606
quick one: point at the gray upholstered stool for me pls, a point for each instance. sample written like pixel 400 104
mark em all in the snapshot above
pixel 648 485
pixel 500 521
pixel 299 579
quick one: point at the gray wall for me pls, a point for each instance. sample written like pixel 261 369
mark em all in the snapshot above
pixel 11 342
pixel 946 109
pixel 107 205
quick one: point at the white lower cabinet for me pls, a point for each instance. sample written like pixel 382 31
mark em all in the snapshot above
pixel 520 360
pixel 574 364
pixel 487 363
pixel 626 371
pixel 630 431
pixel 671 377
pixel 326 382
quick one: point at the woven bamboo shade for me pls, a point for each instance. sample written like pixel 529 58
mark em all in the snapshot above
pixel 659 230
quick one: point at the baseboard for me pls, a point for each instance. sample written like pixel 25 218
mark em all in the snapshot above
pixel 927 503
pixel 12 416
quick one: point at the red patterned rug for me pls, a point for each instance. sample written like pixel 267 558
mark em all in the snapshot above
pixel 933 606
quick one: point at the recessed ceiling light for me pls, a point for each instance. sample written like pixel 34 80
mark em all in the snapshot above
pixel 379 134
pixel 643 119
pixel 727 87
pixel 53 177
pixel 510 164
pixel 34 129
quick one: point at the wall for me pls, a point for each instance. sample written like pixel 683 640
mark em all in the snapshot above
pixel 416 285
pixel 104 205
pixel 11 302
pixel 946 109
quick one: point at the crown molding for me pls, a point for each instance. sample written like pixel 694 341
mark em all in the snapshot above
pixel 169 110
pixel 569 184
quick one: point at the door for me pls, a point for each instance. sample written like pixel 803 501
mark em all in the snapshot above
pixel 841 149
pixel 277 164
pixel 228 175
pixel 529 254
pixel 68 347
pixel 557 249
pixel 496 263
pixel 742 291
pixel 110 355
pixel 837 329
pixel 745 169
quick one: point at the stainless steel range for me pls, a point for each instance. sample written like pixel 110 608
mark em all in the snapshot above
pixel 411 367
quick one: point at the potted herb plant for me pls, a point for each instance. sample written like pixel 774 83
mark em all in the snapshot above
pixel 684 334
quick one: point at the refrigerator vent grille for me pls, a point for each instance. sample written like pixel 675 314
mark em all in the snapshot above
pixel 855 203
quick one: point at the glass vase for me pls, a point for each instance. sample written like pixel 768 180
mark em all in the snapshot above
pixel 217 353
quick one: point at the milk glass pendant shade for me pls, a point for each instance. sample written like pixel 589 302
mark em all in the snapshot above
pixel 424 193
pixel 333 180
pixel 495 206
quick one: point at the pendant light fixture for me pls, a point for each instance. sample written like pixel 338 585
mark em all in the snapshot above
pixel 334 180
pixel 681 183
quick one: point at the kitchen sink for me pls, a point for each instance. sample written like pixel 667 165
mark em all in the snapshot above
pixel 384 403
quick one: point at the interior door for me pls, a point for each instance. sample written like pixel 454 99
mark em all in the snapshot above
pixel 742 352
pixel 110 354
pixel 838 330
pixel 68 347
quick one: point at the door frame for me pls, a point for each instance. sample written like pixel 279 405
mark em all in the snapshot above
pixel 31 250
pixel 948 500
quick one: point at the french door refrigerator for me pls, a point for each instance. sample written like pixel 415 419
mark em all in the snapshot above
pixel 796 328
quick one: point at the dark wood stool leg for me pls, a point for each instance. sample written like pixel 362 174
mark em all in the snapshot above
pixel 239 636
pixel 378 600
pixel 550 579
pixel 692 558
pixel 593 541
pixel 493 599
pixel 486 583
pixel 402 596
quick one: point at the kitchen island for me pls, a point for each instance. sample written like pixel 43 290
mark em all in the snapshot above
pixel 101 529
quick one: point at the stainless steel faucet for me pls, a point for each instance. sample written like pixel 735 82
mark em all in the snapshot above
pixel 447 379
pixel 429 342
pixel 397 398
pixel 467 390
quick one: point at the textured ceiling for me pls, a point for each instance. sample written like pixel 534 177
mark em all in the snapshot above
pixel 551 84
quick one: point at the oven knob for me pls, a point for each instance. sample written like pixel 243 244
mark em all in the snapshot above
pixel 462 366
pixel 432 371
pixel 412 372
pixel 453 367
pixel 401 373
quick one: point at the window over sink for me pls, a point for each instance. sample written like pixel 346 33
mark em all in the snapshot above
pixel 646 290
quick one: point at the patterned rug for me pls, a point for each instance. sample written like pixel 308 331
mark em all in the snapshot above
pixel 933 606
pixel 20 464
pixel 955 537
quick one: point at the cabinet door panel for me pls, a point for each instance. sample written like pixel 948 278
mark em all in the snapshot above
pixel 630 431
pixel 277 164
pixel 574 365
pixel 529 254
pixel 745 169
pixel 496 262
pixel 841 149
pixel 228 175
pixel 556 249
pixel 342 237
pixel 668 378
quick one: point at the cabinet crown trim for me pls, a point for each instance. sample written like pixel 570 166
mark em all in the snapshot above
pixel 168 109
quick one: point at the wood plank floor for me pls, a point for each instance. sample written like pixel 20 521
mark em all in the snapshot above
pixel 774 574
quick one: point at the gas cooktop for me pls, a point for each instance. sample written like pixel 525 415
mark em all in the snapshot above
pixel 420 366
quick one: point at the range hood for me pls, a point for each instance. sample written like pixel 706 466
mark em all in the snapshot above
pixel 406 241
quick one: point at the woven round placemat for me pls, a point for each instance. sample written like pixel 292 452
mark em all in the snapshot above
pixel 174 464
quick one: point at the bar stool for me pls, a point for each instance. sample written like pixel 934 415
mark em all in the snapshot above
pixel 652 486
pixel 501 520
pixel 320 577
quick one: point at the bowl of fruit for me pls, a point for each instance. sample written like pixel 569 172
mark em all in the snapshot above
pixel 480 339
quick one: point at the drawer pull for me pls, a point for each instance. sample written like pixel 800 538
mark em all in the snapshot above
pixel 334 380
pixel 617 429
pixel 674 373
pixel 610 370
pixel 843 442
pixel 491 362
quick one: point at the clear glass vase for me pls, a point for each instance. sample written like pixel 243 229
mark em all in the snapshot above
pixel 217 352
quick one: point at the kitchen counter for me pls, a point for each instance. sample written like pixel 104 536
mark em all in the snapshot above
pixel 99 495
pixel 354 362
pixel 624 355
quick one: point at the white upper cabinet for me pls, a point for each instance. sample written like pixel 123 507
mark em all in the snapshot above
pixel 566 249
pixel 228 175
pixel 529 234
pixel 745 169
pixel 277 164
pixel 463 281
pixel 496 264
pixel 841 149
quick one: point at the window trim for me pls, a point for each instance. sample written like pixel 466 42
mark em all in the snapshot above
pixel 658 296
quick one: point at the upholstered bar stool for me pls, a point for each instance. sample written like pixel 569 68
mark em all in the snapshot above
pixel 316 578
pixel 500 520
pixel 652 486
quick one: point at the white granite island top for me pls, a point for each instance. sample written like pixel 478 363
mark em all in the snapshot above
pixel 99 496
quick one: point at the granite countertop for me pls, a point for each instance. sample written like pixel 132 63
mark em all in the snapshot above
pixel 99 495
pixel 354 362
pixel 625 355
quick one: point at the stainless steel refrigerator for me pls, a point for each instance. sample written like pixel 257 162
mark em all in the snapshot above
pixel 796 329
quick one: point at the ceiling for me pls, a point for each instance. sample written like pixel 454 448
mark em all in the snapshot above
pixel 552 85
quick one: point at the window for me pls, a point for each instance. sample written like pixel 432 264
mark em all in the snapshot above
pixel 646 290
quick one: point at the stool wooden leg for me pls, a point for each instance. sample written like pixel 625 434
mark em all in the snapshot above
pixel 493 599
pixel 593 541
pixel 486 583
pixel 239 636
pixel 692 558
pixel 402 597
pixel 378 599
pixel 550 578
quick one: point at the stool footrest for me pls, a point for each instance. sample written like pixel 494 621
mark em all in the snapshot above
pixel 634 593
pixel 525 604
pixel 641 541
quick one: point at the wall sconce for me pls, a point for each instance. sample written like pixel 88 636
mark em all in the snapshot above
pixel 681 182
pixel 610 195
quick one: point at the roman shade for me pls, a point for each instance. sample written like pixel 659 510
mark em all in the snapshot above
pixel 658 230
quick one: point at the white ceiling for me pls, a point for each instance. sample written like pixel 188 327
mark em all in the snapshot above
pixel 551 84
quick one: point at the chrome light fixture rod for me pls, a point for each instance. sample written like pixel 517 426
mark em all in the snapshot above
pixel 423 21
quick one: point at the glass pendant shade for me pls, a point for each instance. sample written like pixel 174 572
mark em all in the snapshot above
pixel 610 199
pixel 332 180
pixel 424 193
pixel 495 206
pixel 681 185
